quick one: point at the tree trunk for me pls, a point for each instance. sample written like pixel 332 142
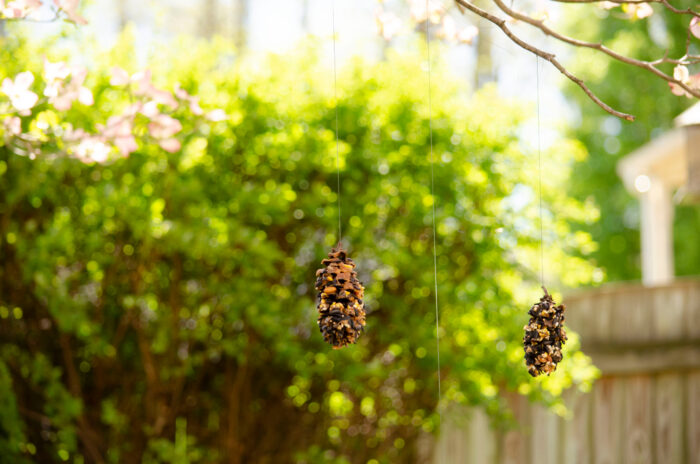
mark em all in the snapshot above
pixel 240 23
pixel 208 23
pixel 305 16
pixel 484 70
pixel 122 13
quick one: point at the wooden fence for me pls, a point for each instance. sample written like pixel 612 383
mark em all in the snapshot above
pixel 645 408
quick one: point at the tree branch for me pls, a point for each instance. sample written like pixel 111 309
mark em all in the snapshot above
pixel 688 11
pixel 649 66
pixel 501 23
pixel 665 3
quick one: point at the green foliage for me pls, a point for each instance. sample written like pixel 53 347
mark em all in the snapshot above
pixel 165 302
pixel 607 139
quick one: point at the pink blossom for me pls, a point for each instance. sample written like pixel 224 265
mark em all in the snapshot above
pixel 419 12
pixel 73 135
pixel 144 87
pixel 695 26
pixel 677 89
pixel 216 115
pixel 182 94
pixel 119 129
pixel 681 73
pixel 451 32
pixel 388 24
pixel 13 125
pixel 54 75
pixel 70 8
pixel 468 34
pixel 92 149
pixel 162 96
pixel 55 71
pixel 119 77
pixel 638 10
pixel 150 109
pixel 163 126
pixel 62 94
pixel 691 80
pixel 21 97
pixel 170 145
pixel 18 8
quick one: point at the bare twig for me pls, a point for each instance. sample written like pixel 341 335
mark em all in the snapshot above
pixel 501 23
pixel 688 11
pixel 601 1
pixel 649 66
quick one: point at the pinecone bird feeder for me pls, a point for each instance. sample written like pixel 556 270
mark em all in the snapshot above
pixel 544 336
pixel 341 309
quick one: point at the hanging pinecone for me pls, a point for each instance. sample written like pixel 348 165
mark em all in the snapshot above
pixel 341 310
pixel 544 336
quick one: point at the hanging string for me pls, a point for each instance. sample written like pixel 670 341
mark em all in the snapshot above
pixel 432 194
pixel 337 138
pixel 539 171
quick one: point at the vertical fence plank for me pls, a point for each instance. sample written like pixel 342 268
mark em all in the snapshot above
pixel 638 427
pixel 668 416
pixel 515 446
pixel 647 414
pixel 544 440
pixel 607 421
pixel 452 442
pixel 577 430
pixel 693 432
pixel 579 315
pixel 668 314
pixel 693 313
pixel 482 439
pixel 601 312
pixel 631 318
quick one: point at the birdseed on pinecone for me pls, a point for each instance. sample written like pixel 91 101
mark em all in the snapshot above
pixel 544 336
pixel 341 309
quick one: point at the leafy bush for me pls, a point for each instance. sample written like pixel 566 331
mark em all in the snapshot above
pixel 160 307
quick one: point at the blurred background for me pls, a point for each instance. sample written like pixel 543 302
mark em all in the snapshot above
pixel 160 306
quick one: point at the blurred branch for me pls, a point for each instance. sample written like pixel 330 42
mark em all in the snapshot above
pixel 665 3
pixel 650 66
pixel 501 23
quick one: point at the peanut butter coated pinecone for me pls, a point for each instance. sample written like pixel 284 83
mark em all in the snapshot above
pixel 544 336
pixel 341 310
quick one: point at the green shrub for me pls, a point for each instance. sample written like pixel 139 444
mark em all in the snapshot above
pixel 160 307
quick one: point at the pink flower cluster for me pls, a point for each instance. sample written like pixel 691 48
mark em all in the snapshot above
pixel 17 9
pixel 63 92
pixel 64 86
pixel 389 25
pixel 681 74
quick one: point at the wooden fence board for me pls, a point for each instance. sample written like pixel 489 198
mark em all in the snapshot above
pixel 577 430
pixel 515 444
pixel 638 426
pixel 631 319
pixel 693 417
pixel 668 418
pixel 646 407
pixel 544 440
pixel 482 439
pixel 693 313
pixel 668 314
pixel 601 312
pixel 607 421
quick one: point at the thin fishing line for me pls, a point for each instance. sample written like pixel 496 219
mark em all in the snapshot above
pixel 337 138
pixel 432 194
pixel 539 170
